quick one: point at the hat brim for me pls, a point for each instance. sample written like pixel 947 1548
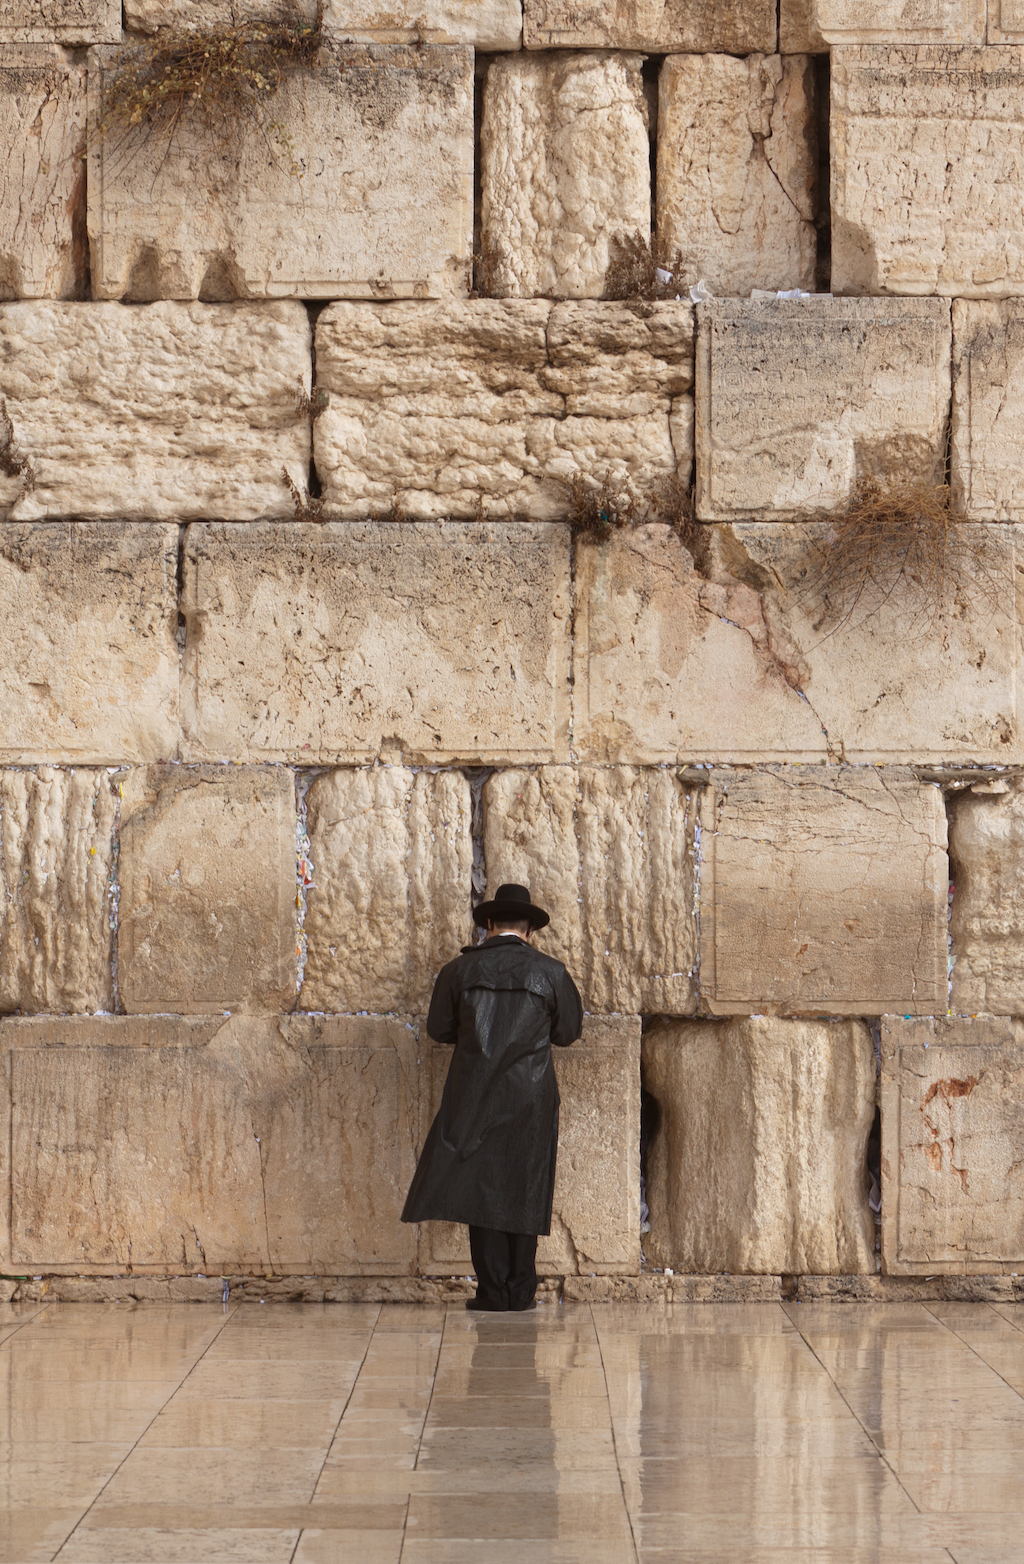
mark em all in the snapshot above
pixel 510 912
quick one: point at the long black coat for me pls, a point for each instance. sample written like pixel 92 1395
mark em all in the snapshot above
pixel 489 1159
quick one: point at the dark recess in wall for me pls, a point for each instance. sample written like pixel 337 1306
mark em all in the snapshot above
pixel 823 220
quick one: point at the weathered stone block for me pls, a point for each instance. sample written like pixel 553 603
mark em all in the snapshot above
pixel 797 399
pixel 952 1145
pixel 88 649
pixel 486 24
pixel 896 21
pixel 383 135
pixel 487 408
pixel 611 855
pixel 209 1145
pixel 208 877
pixel 737 171
pixel 923 139
pixel 565 167
pixel 42 174
pixel 823 892
pixel 392 855
pixel 56 854
pixel 758 1164
pixel 659 26
pixel 986 842
pixel 988 388
pixel 377 640
pixel 1005 21
pixel 171 412
pixel 798 29
pixel 595 1225
pixel 60 21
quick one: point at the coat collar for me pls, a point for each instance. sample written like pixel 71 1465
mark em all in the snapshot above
pixel 496 939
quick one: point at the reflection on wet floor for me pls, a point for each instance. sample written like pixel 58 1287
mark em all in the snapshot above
pixel 690 1432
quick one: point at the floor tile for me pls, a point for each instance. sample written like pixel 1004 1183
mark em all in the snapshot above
pixel 490 1550
pixel 349 1547
pixel 61 1476
pixel 216 1476
pixel 154 1545
pixel 571 1517
pixel 290 1381
pixel 469 1448
pixel 31 1535
pixel 474 1380
pixel 517 1412
pixel 341 1514
pixel 285 1425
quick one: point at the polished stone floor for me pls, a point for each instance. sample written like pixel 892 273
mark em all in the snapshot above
pixel 755 1434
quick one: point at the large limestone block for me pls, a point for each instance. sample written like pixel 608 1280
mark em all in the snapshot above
pixel 823 891
pixel 175 411
pixel 797 399
pixel 952 1146
pixel 88 642
pixel 486 24
pixel 923 139
pixel 658 26
pixel 60 21
pixel 56 857
pixel 901 21
pixel 610 853
pixel 212 1146
pixel 737 171
pixel 42 177
pixel 208 888
pixel 986 843
pixel 798 28
pixel 428 644
pixel 383 135
pixel 988 388
pixel 392 854
pixel 1005 21
pixel 485 408
pixel 758 1163
pixel 565 167
pixel 595 1223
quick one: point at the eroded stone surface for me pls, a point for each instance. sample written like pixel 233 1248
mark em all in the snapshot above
pixel 207 912
pixel 383 135
pixel 923 138
pixel 897 21
pixel 660 26
pixel 1005 21
pixel 88 650
pixel 565 167
pixel 988 387
pixel 60 21
pixel 737 171
pixel 595 1225
pixel 182 1144
pixel 42 175
pixel 56 854
pixel 798 399
pixel 798 30
pixel 986 842
pixel 430 643
pixel 952 1145
pixel 486 24
pixel 174 411
pixel 758 1164
pixel 823 891
pixel 392 855
pixel 530 839
pixel 490 408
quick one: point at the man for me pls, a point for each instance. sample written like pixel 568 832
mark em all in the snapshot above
pixel 489 1159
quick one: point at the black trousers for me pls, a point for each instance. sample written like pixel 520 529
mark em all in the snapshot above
pixel 505 1266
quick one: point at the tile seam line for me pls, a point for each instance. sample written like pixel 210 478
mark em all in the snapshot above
pixel 426 1415
pixel 974 1350
pixel 92 1505
pixel 29 1319
pixel 348 1398
pixel 615 1443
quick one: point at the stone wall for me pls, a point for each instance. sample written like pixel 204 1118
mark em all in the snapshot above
pixel 416 481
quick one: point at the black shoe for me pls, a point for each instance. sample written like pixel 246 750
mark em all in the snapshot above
pixel 486 1308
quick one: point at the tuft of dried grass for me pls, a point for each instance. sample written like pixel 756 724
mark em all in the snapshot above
pixel 596 510
pixel 632 271
pixel 308 507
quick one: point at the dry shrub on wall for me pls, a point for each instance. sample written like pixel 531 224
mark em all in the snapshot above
pixel 633 267
pixel 596 510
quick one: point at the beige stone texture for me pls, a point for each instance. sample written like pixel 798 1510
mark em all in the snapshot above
pixel 923 140
pixel 273 1144
pixel 901 21
pixel 986 845
pixel 595 1225
pixel 797 399
pixel 737 171
pixel 823 891
pixel 758 1164
pixel 485 24
pixel 799 32
pixel 56 856
pixel 88 650
pixel 952 1145
pixel 658 26
pixel 383 137
pixel 392 854
pixel 488 408
pixel 530 838
pixel 565 166
pixel 60 21
pixel 378 640
pixel 988 388
pixel 174 411
pixel 42 174
pixel 1005 21
pixel 208 890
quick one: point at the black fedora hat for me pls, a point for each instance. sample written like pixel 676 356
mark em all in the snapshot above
pixel 511 904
